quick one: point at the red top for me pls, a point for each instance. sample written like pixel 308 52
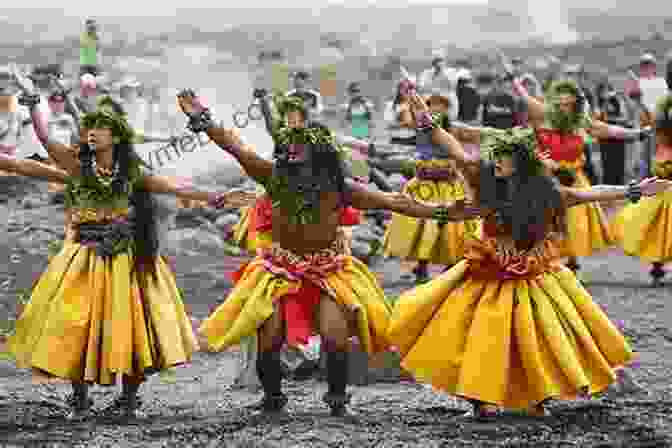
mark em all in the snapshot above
pixel 263 210
pixel 563 147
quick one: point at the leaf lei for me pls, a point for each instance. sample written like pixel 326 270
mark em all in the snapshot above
pixel 293 203
pixel 664 112
pixel 556 118
pixel 97 191
pixel 505 141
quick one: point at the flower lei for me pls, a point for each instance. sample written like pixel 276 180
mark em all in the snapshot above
pixel 559 120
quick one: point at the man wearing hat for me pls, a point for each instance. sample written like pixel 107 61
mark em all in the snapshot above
pixel 441 80
pixel 311 98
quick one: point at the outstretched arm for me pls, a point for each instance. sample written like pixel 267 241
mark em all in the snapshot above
pixel 228 139
pixel 185 189
pixel 31 168
pixel 603 193
pixel 365 199
pixel 603 130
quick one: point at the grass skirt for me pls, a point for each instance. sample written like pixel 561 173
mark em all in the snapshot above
pixel 88 319
pixel 649 228
pixel 258 289
pixel 587 226
pixel 511 342
pixel 422 239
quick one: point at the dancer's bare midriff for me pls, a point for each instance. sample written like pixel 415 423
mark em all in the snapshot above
pixel 303 239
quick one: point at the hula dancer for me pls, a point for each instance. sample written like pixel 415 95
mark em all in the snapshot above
pixel 648 233
pixel 566 126
pixel 436 181
pixel 510 326
pixel 107 303
pixel 306 270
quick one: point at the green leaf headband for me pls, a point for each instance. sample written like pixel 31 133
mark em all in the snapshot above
pixel 287 104
pixel 498 142
pixel 105 117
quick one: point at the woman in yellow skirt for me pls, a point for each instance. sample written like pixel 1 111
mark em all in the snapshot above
pixel 566 125
pixel 510 326
pixel 649 223
pixel 107 304
pixel 436 180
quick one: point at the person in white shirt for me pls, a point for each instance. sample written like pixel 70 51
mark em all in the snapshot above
pixel 15 122
pixel 441 80
pixel 311 98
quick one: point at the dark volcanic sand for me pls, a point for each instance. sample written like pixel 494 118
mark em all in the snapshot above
pixel 196 408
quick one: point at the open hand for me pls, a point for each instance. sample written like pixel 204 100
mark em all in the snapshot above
pixel 653 185
pixel 418 104
pixel 233 199
pixel 185 99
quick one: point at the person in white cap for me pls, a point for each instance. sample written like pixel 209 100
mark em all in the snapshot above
pixel 441 80
pixel 652 86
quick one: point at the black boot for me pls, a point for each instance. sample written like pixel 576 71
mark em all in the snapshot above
pixel 337 379
pixel 128 404
pixel 657 273
pixel 79 402
pixel 269 369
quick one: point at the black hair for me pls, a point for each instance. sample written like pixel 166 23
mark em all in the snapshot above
pixel 528 203
pixel 124 160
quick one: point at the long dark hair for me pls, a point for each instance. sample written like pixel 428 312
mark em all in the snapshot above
pixel 529 204
pixel 125 160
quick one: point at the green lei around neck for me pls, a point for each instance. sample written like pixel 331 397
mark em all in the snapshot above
pixel 497 142
pixel 559 120
pixel 97 192
pixel 299 210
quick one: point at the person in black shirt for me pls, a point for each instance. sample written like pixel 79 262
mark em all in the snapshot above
pixel 612 110
pixel 469 100
pixel 499 107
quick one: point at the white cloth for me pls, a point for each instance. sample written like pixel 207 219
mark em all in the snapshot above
pixel 391 116
pixel 443 83
pixel 653 89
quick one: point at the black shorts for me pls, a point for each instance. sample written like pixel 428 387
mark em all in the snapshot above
pixel 91 69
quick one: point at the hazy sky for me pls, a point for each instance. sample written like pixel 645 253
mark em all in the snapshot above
pixel 169 7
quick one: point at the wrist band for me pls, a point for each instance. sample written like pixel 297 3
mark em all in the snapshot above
pixel 440 215
pixel 633 192
pixel 423 121
pixel 200 122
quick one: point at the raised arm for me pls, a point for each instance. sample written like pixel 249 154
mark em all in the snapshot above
pixel 604 193
pixel 31 168
pixel 63 155
pixel 602 130
pixel 365 199
pixel 185 189
pixel 535 108
pixel 468 162
pixel 228 139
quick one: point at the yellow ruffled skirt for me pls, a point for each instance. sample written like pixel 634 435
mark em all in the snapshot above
pixel 422 239
pixel 508 342
pixel 252 301
pixel 649 228
pixel 88 319
pixel 588 230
